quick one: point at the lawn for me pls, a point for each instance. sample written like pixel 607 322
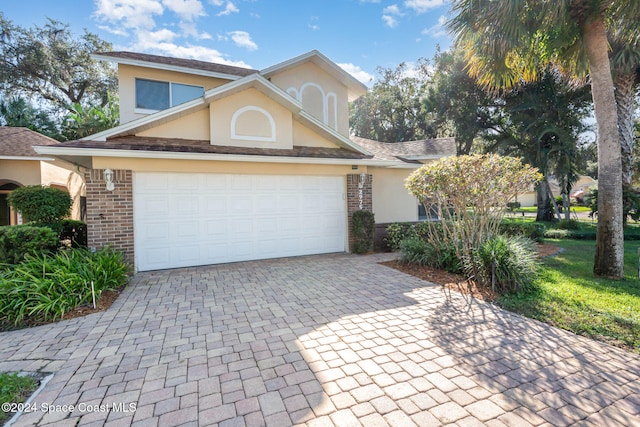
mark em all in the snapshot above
pixel 14 389
pixel 568 296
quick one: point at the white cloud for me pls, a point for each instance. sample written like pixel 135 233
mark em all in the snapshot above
pixel 160 36
pixel 216 2
pixel 392 10
pixel 389 15
pixel 243 39
pixel 190 29
pixel 438 30
pixel 390 21
pixel 421 6
pixel 357 72
pixel 185 9
pixel 134 14
pixel 228 10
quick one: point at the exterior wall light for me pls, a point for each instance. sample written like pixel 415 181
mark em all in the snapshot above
pixel 108 179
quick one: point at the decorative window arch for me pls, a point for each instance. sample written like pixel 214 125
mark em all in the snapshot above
pixel 271 123
pixel 329 107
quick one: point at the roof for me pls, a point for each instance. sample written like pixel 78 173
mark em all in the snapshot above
pixel 409 151
pixel 19 142
pixel 175 145
pixel 176 64
pixel 254 81
pixel 355 87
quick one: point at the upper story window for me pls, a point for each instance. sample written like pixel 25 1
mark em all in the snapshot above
pixel 153 95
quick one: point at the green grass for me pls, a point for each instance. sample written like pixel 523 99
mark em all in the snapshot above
pixel 14 389
pixel 567 295
pixel 534 209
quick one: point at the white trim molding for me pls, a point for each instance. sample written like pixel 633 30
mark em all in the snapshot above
pixel 239 112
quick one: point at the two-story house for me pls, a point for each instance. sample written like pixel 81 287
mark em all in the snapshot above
pixel 216 164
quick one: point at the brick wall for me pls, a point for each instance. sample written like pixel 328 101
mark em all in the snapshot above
pixel 353 198
pixel 110 213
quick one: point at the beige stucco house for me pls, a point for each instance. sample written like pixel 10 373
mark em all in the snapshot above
pixel 20 166
pixel 215 164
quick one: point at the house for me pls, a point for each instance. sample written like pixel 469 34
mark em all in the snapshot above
pixel 20 166
pixel 581 187
pixel 213 163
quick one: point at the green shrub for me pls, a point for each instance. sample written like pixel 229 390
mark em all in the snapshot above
pixel 75 232
pixel 41 205
pixel 572 224
pixel 532 230
pixel 421 252
pixel 363 228
pixel 555 233
pixel 507 264
pixel 399 231
pixel 44 287
pixel 19 240
pixel 414 251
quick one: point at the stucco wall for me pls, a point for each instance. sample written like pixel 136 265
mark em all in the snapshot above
pixel 62 174
pixel 312 85
pixel 391 201
pixel 191 126
pixel 24 172
pixel 195 166
pixel 266 124
pixel 126 85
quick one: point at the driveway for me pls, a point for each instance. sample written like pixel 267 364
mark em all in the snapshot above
pixel 332 340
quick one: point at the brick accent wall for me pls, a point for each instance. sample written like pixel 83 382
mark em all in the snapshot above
pixel 110 213
pixel 353 198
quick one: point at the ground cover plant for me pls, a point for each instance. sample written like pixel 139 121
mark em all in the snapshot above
pixel 44 287
pixel 14 389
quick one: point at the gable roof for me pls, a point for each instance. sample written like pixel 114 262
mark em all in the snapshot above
pixel 17 143
pixel 191 66
pixel 409 151
pixel 355 88
pixel 254 81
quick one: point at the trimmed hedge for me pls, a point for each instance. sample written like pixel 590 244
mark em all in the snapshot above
pixel 41 205
pixel 17 241
pixel 363 227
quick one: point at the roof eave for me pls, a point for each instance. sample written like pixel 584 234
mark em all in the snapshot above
pixel 165 67
pixel 355 87
pixel 72 152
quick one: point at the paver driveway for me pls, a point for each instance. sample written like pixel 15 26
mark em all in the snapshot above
pixel 322 340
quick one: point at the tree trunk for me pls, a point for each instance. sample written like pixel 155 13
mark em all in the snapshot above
pixel 625 100
pixel 544 211
pixel 609 259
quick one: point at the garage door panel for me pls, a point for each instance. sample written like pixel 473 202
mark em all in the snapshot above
pixel 196 219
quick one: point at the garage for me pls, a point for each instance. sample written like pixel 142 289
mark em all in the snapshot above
pixel 191 219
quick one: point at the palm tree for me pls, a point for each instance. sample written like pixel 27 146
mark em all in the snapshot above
pixel 509 40
pixel 625 64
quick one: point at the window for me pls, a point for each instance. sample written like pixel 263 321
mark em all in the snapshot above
pixel 154 95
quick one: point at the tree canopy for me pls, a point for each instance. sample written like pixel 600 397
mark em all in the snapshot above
pixel 508 41
pixel 50 64
pixel 392 110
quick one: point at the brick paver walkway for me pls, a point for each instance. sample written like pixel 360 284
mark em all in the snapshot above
pixel 334 340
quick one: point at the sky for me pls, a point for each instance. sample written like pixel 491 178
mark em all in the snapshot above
pixel 359 35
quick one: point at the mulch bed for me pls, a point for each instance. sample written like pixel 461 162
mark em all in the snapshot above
pixel 103 303
pixel 455 281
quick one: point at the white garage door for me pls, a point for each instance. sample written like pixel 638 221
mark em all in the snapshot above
pixel 183 220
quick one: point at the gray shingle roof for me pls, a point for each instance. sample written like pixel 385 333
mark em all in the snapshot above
pixel 408 151
pixel 179 62
pixel 139 143
pixel 19 142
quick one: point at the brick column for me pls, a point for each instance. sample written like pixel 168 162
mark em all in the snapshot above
pixel 353 198
pixel 110 213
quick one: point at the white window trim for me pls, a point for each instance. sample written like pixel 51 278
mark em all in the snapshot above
pixel 264 112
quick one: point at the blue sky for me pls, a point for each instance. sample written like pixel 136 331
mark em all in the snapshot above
pixel 360 35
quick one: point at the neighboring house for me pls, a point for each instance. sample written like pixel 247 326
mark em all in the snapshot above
pixel 20 166
pixel 215 164
pixel 579 189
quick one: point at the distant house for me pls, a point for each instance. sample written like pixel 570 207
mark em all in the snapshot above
pixel 579 189
pixel 214 164
pixel 20 166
